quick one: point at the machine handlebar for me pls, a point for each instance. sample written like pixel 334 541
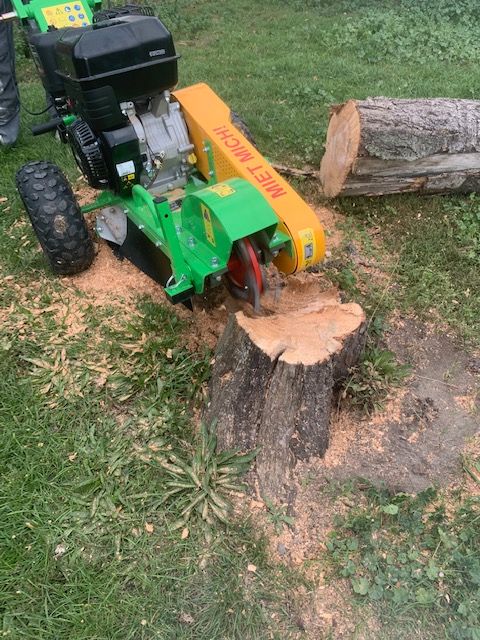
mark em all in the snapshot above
pixel 51 125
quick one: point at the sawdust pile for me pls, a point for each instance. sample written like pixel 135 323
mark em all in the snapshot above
pixel 110 278
pixel 110 281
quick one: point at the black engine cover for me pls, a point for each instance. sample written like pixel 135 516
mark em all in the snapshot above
pixel 42 46
pixel 124 59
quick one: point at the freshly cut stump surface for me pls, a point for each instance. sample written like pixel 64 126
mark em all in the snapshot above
pixel 273 382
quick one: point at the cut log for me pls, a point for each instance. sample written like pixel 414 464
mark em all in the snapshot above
pixel 273 381
pixel 380 146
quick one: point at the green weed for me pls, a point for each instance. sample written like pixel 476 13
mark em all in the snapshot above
pixel 411 31
pixel 344 275
pixel 202 483
pixel 370 382
pixel 434 243
pixel 465 230
pixel 278 515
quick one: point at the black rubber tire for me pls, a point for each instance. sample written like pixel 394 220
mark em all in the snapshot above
pixel 56 217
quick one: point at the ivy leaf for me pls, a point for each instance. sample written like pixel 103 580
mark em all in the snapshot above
pixel 352 544
pixel 400 595
pixel 361 586
pixel 432 571
pixel 391 509
pixel 424 596
pixel 349 569
pixel 376 592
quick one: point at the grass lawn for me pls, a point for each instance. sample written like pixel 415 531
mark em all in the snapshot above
pixel 89 399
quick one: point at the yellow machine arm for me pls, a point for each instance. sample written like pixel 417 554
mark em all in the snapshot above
pixel 208 119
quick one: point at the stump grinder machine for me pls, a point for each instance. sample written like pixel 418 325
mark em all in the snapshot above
pixel 183 193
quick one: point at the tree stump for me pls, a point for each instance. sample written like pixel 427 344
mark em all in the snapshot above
pixel 380 146
pixel 273 380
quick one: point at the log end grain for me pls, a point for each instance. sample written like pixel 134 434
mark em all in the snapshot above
pixel 343 141
pixel 381 146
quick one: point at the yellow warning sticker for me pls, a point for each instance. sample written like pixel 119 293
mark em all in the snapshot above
pixel 222 190
pixel 307 238
pixel 207 223
pixel 68 14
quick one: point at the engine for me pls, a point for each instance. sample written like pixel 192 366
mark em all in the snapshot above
pixel 165 149
pixel 116 76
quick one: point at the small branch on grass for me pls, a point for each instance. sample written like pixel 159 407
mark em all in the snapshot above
pixel 293 171
pixel 447 384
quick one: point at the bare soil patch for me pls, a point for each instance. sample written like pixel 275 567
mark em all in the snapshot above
pixel 418 440
pixel 110 278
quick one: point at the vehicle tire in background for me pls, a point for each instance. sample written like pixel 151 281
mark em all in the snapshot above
pixel 56 217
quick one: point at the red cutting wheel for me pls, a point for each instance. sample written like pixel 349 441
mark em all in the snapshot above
pixel 245 276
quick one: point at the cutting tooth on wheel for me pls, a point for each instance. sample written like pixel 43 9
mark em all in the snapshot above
pixel 245 277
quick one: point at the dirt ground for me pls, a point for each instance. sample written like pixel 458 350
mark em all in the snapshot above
pixel 418 439
pixel 415 442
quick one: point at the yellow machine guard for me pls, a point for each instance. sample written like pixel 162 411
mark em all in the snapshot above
pixel 208 119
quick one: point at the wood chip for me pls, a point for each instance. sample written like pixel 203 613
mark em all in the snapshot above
pixel 186 618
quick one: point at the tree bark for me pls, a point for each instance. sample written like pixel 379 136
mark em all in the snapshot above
pixel 273 381
pixel 380 146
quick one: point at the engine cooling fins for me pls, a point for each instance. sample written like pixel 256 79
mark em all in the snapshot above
pixel 88 154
